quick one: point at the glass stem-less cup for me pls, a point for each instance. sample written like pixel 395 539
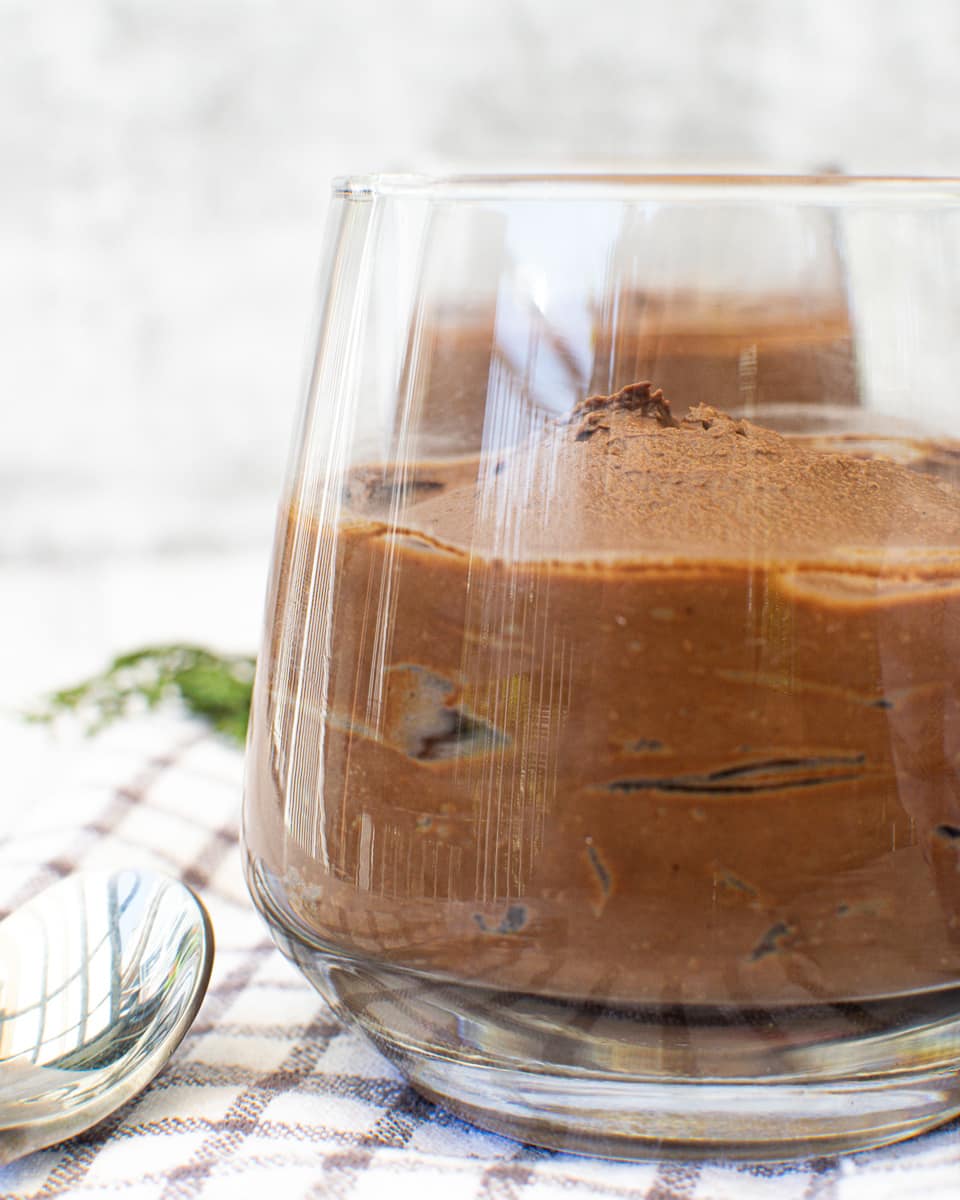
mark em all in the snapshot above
pixel 604 752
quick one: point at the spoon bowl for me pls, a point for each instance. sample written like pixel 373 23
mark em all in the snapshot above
pixel 101 975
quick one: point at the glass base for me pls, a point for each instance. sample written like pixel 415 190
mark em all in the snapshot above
pixel 681 1082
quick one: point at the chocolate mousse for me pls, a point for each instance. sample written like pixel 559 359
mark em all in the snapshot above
pixel 724 351
pixel 474 379
pixel 645 709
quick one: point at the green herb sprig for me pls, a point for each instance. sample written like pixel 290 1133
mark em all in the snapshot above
pixel 214 687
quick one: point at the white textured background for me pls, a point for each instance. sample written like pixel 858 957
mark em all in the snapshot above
pixel 164 174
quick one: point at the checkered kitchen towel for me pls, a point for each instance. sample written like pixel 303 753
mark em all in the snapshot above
pixel 269 1095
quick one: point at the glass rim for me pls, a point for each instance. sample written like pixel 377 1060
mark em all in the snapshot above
pixel 810 188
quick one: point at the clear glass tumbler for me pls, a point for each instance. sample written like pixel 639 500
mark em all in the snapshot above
pixel 604 756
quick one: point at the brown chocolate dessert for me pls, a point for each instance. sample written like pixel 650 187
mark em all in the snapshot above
pixel 722 352
pixel 644 710
pixel 471 386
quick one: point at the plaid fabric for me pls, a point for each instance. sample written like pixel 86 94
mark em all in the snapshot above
pixel 269 1094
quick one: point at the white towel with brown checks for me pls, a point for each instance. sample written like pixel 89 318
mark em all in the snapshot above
pixel 269 1095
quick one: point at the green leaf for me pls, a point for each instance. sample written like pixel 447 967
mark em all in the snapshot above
pixel 214 687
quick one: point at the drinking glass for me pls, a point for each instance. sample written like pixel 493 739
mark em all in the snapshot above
pixel 603 764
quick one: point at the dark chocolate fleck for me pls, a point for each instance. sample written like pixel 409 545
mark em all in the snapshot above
pixel 693 787
pixel 513 920
pixel 736 883
pixel 373 488
pixel 600 868
pixel 463 735
pixel 770 942
pixel 789 764
pixel 429 724
pixel 740 780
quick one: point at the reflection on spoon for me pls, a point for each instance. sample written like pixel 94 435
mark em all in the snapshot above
pixel 101 976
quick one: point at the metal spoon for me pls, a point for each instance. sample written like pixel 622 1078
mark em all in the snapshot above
pixel 101 976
